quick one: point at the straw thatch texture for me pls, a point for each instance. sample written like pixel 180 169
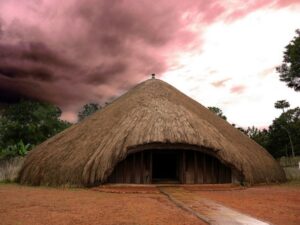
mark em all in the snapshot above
pixel 152 112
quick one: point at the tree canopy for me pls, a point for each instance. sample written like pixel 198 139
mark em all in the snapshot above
pixel 282 138
pixel 284 133
pixel 282 104
pixel 260 136
pixel 217 111
pixel 289 70
pixel 29 122
pixel 87 110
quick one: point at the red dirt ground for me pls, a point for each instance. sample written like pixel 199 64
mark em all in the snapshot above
pixel 130 205
pixel 276 204
pixel 39 205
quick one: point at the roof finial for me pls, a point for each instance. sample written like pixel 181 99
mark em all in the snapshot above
pixel 153 75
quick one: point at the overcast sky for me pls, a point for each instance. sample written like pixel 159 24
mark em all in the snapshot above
pixel 220 52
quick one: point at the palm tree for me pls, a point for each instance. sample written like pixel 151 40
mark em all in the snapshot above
pixel 282 104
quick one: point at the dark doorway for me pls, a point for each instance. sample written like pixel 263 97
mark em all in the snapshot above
pixel 171 166
pixel 165 167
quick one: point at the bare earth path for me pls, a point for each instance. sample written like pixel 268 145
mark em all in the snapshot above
pixel 277 204
pixel 209 211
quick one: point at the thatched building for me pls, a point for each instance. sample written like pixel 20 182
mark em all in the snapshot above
pixel 153 133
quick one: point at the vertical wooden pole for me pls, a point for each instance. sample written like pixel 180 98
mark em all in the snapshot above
pixel 133 176
pixel 125 170
pixel 121 172
pixel 200 168
pixel 204 168
pixel 213 172
pixel 142 167
pixel 183 167
pixel 195 167
pixel 218 171
pixel 180 167
pixel 137 168
pixel 150 172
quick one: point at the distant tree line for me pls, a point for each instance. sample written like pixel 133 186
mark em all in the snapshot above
pixel 282 137
pixel 26 124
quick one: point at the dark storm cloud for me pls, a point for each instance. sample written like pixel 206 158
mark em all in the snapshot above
pixel 9 96
pixel 31 60
pixel 37 52
pixel 13 91
pixel 99 74
pixel 1 29
pixel 72 52
pixel 114 44
pixel 15 72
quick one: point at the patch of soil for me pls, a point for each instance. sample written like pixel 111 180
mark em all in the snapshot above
pixel 40 205
pixel 275 204
pixel 213 187
pixel 128 189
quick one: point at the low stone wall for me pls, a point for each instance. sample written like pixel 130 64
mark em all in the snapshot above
pixel 289 161
pixel 292 173
pixel 10 168
pixel 291 167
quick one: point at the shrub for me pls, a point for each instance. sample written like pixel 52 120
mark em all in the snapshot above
pixel 19 149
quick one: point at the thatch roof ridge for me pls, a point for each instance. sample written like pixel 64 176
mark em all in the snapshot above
pixel 151 112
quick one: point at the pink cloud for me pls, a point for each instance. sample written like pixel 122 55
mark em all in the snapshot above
pixel 69 116
pixel 238 89
pixel 245 7
pixel 220 83
pixel 286 3
pixel 267 71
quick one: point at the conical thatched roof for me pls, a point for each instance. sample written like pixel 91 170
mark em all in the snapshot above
pixel 152 112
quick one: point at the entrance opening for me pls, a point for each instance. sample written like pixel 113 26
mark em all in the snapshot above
pixel 170 166
pixel 165 167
